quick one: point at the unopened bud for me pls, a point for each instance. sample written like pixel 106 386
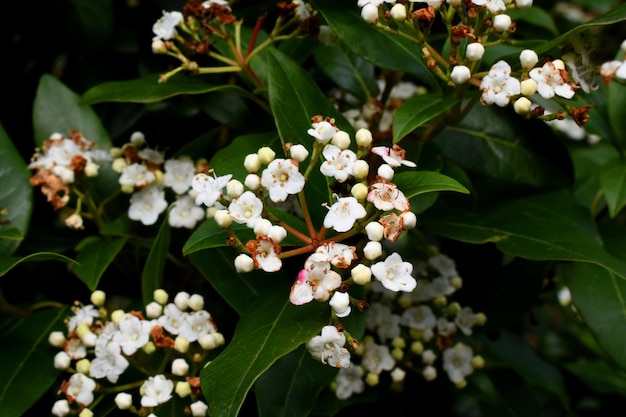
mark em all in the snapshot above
pixel 363 138
pixel 528 58
pixel 183 389
pixel 398 12
pixel 409 220
pixel 252 162
pixel 373 250
pixel 385 171
pixel 252 181
pixel 341 140
pixel 234 188
pixel 361 169
pixel 502 22
pixel 98 298
pixel 62 361
pixel 244 263
pixel 460 74
pixel 223 219
pixel 474 51
pixel 266 155
pixel 91 170
pixel 298 152
pixel 369 13
pixel 361 274
pixel 180 367
pixel 123 401
pixel 56 339
pixel 359 191
pixel 528 87
pixel 181 344
pixel 375 231
pixel 160 296
pixel 196 302
pixel 522 106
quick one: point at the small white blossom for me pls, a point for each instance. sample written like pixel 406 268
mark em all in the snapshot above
pixel 281 178
pixel 323 131
pixel 419 317
pixel 246 209
pixel 349 380
pixel 457 362
pixel 498 86
pixel 376 358
pixel 552 81
pixel 80 389
pixel 394 156
pixel 179 174
pixel 339 163
pixel 328 348
pixel 156 390
pixel 265 253
pixel 494 6
pixel 209 188
pixel 394 273
pixel 340 303
pixel 136 175
pixel 343 214
pixel 165 27
pixel 147 204
pixel 185 213
pixel 133 333
pixel 386 196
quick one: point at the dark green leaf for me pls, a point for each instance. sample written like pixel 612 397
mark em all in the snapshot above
pixel 295 98
pixel 152 274
pixel 613 181
pixel 58 109
pixel 147 89
pixel 588 162
pixel 16 196
pixel 291 386
pixel 9 262
pixel 509 149
pixel 26 360
pixel 419 110
pixel 599 295
pixel 93 20
pixel 209 235
pixel 535 16
pixel 269 331
pixel 599 376
pixel 382 49
pixel 94 257
pixel 419 182
pixel 229 160
pixel 616 103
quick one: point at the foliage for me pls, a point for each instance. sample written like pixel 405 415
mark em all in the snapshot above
pixel 314 208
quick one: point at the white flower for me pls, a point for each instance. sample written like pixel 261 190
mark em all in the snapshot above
pixel 82 315
pixel 281 178
pixel 340 302
pixel 434 3
pixel 339 163
pixel 457 362
pixel 394 156
pixel 196 324
pixel 136 175
pixel 147 204
pixel 178 174
pixel 301 290
pixel 156 390
pixel 323 131
pixel 343 214
pixel 224 3
pixel 246 209
pixel 380 319
pixel 502 22
pixel 395 274
pixel 185 213
pixel 445 328
pixel 376 358
pixel 210 189
pixel 328 348
pixel 498 86
pixel 551 81
pixel 109 361
pixel 444 265
pixel 349 381
pixel 80 389
pixel 172 319
pixel 465 319
pixel 165 27
pixel 386 196
pixel 494 6
pixel 265 253
pixel 133 333
pixel 419 317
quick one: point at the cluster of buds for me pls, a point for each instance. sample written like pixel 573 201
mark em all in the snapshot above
pixel 147 175
pixel 60 165
pixel 408 332
pixel 102 346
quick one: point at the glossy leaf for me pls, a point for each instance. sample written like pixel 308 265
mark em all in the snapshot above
pixel 26 360
pixel 147 89
pixel 209 235
pixel 152 274
pixel 9 262
pixel 599 376
pixel 382 49
pixel 548 226
pixel 295 98
pixel 229 159
pixel 418 110
pixel 16 196
pixel 598 295
pixel 291 386
pixel 419 182
pixel 613 181
pixel 535 16
pixel 616 102
pixel 94 255
pixel 508 149
pixel 58 109
pixel 272 329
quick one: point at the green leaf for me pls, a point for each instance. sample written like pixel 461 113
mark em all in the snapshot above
pixel 58 109
pixel 548 226
pixel 16 196
pixel 229 159
pixel 269 331
pixel 419 110
pixel 383 49
pixel 599 376
pixel 209 235
pixel 147 89
pixel 536 16
pixel 419 182
pixel 92 21
pixel 613 181
pixel 152 274
pixel 295 98
pixel 9 262
pixel 615 105
pixel 291 386
pixel 598 295
pixel 514 353
pixel 588 162
pixel 94 256
pixel 491 143
pixel 26 360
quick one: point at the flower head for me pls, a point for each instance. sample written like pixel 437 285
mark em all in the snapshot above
pixel 498 86
pixel 395 274
pixel 343 214
pixel 209 188
pixel 338 163
pixel 165 27
pixel 281 178
pixel 156 390
pixel 147 204
pixel 552 81
pixel 246 209
pixel 386 196
pixel 328 348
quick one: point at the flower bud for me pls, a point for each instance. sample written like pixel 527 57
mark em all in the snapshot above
pixel 91 169
pixel 262 227
pixel 429 373
pixel 219 338
pixel 298 152
pixel 252 181
pixel 397 354
pixel 116 316
pixel 277 233
pixel 182 389
pixel 137 139
pixel 428 357
pixel 149 348
pixel 207 341
pixel 417 347
pixel 359 191
pixel 480 318
pixel 455 3
pixel 522 106
pixel 361 274
pixel 340 303
pixel 373 250
pixel 158 46
pixel 385 171
pixel 196 302
pixel 341 140
pixel 116 152
pixel 181 344
pixel 360 169
pixel 160 296
pixel 74 221
pixel 528 87
pixel 478 362
pixel 244 263
pixel 118 165
pixel 502 22
pixel 456 282
pixel 474 51
pixel 398 375
pixel 528 58
pixel 252 162
pixel 83 365
pixel 234 188
pixel 460 74
pixel 61 408
pixel 409 220
pixel 98 298
pixel 372 379
pixel 56 339
pixel 363 138
pixel 375 231
pixel 266 155
pixel 398 12
pixel 124 400
pixel 198 409
pixel 89 339
pixel 85 412
pixel 522 4
pixel 223 219
pixel 180 367
pixel 558 64
pixel 127 188
pixel 369 13
pixel 182 300
pixel 62 361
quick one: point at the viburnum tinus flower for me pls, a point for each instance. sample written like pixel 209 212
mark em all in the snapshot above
pixel 165 27
pixel 209 188
pixel 343 214
pixel 328 348
pixel 457 362
pixel 494 6
pixel 109 362
pixel 338 163
pixel 376 358
pixel 246 209
pixel 156 390
pixel 79 388
pixel 552 81
pixel 185 213
pixel 394 273
pixel 281 178
pixel 146 204
pixel 349 381
pixel 265 253
pixel 394 156
pixel 133 333
pixel 498 86
pixel 386 196
pixel 179 174
pixel 322 131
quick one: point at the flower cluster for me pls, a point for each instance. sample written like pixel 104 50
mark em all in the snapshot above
pixel 99 346
pixel 408 332
pixel 147 175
